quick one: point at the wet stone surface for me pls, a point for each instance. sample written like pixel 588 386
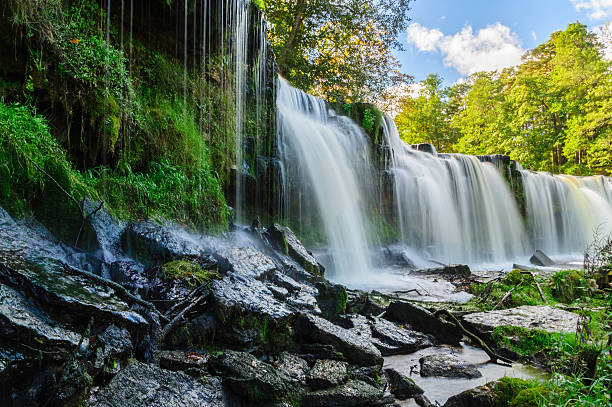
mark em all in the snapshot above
pixel 357 349
pixel 142 385
pixel 327 373
pixel 447 365
pixel 69 295
pixel 542 317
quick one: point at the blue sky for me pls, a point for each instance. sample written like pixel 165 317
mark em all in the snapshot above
pixel 457 37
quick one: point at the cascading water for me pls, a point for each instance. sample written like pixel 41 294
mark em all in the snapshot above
pixel 453 208
pixel 241 35
pixel 564 212
pixel 326 156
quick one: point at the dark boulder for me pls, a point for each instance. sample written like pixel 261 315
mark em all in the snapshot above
pixel 539 258
pixel 357 349
pixel 154 244
pixel 447 365
pixel 286 241
pixel 142 385
pixel 249 377
pixel 65 294
pixel 22 322
pixel 292 369
pixel 354 393
pixel 402 387
pixel 327 373
pixel 421 319
pixel 180 360
pixel 331 298
pixel 248 314
pixel 394 340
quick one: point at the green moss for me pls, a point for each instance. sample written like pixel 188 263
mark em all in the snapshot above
pixel 569 285
pixel 530 397
pixel 189 271
pixel 507 389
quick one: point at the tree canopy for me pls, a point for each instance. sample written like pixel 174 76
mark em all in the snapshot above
pixel 552 112
pixel 338 49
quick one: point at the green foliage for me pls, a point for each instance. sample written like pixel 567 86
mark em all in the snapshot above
pixel 568 285
pixel 368 121
pixel 25 143
pixel 337 50
pixel 188 271
pixel 552 112
pixel 507 389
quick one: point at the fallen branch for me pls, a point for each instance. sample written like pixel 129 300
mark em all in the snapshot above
pixel 507 295
pixel 495 358
pixel 119 289
pixel 187 299
pixel 487 290
pixel 537 285
pixel 177 318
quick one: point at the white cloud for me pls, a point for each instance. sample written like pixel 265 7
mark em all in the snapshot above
pixel 424 38
pixel 534 36
pixel 492 48
pixel 604 33
pixel 597 9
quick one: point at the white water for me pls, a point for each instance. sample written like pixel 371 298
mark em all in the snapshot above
pixel 564 212
pixel 325 155
pixel 453 208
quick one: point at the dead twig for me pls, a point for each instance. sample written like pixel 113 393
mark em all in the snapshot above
pixel 537 285
pixel 177 318
pixel 507 295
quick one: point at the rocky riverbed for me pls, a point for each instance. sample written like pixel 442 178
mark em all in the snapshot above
pixel 151 315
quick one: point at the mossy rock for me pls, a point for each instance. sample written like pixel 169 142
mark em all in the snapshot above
pixel 189 271
pixel 533 396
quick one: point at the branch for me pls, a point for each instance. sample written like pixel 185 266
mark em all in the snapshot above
pixel 119 289
pixel 495 358
pixel 507 295
pixel 177 318
pixel 537 285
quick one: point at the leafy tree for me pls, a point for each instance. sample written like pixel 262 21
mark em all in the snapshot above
pixel 339 49
pixel 552 112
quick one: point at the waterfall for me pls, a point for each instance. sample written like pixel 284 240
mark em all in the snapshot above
pixel 564 212
pixel 325 157
pixel 453 208
pixel 241 32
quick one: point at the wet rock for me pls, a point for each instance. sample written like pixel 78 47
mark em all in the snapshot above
pixel 423 401
pixel 360 302
pixel 5 219
pixel 311 352
pixel 249 315
pixel 21 321
pixel 397 340
pixel 327 373
pixel 300 295
pixel 521 267
pixel 154 244
pixel 481 396
pixel 358 350
pixel 142 385
pixel 544 317
pixel 291 368
pixel 354 393
pixel 402 386
pixel 246 260
pixel 421 319
pixel 539 258
pixel 447 365
pixel 15 362
pixel 286 241
pixel 179 360
pixel 456 270
pixel 129 274
pixel 331 299
pixel 372 375
pixel 116 342
pixel 64 294
pixel 247 376
pixel 397 255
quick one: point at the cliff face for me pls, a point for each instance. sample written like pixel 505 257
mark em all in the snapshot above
pixel 152 104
